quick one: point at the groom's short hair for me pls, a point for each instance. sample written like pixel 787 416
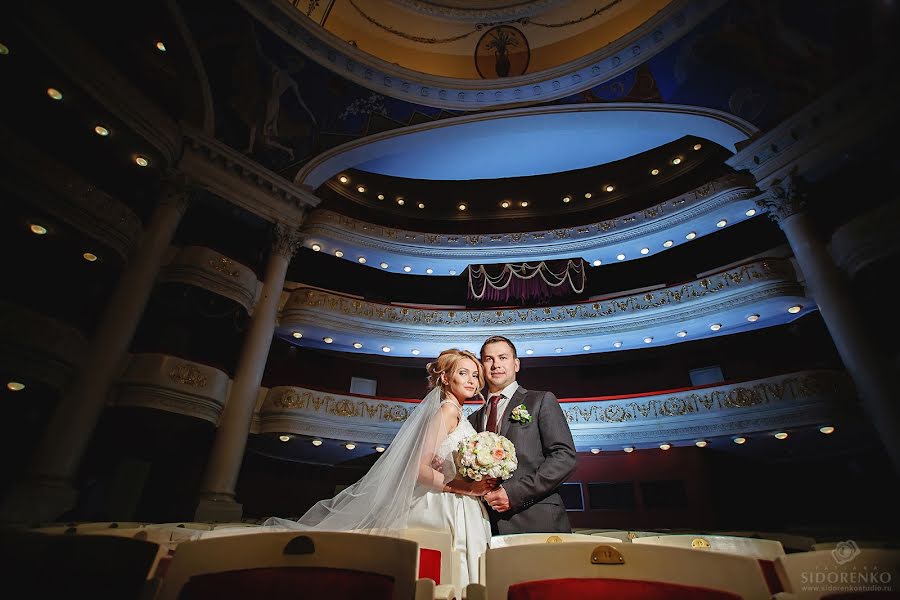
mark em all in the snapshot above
pixel 498 338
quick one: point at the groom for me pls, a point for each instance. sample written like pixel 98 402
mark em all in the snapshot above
pixel 528 501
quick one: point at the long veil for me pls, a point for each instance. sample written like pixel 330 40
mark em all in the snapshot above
pixel 380 502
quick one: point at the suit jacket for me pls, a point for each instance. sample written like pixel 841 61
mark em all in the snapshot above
pixel 546 454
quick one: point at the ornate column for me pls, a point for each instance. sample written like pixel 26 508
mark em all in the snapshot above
pixel 48 490
pixel 217 501
pixel 828 287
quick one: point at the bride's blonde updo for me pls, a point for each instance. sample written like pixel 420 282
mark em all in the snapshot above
pixel 445 363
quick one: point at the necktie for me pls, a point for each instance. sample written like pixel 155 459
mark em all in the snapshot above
pixel 492 415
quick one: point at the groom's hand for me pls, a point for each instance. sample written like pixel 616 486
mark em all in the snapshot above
pixel 498 500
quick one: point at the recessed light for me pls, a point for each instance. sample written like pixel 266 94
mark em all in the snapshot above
pixel 317 442
pixel 361 189
pixel 648 339
pixel 349 445
pixel 89 256
pixel 160 46
pixel 361 260
pixel 620 256
pixel 379 449
pixel 504 204
pixel 681 333
pixel 795 309
pixel 401 201
pixel 654 172
pixel 284 438
pixel 781 435
pixel 524 203
pixel 357 345
pixel 557 350
pixel 407 268
pixel 316 247
pixel 690 235
pixel 383 265
pixel 697 146
pixel 328 340
pixel 617 344
pixel 753 318
pixel 827 429
pixel 297 334
pixel 645 250
pixel 380 196
pixel 529 351
pixel 716 326
pixel 101 131
pixel 141 161
pixel 37 229
pixel 15 386
pixel 595 450
pixel 461 206
pixel 668 244
pixel 4 50
pixel 385 348
pixel 665 446
pixel 586 347
pixel 628 449
pixel 567 199
pixel 54 93
pixel 750 212
pixel 588 195
pixel 453 271
pixel 421 205
pixel 610 188
pixel 676 160
pixel 739 440
pixel 722 223
pixel 338 253
pixel 415 351
pixel 701 443
pixel 429 270
pixel 344 179
pixel 598 262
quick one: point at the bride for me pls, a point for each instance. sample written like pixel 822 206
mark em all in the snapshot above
pixel 414 484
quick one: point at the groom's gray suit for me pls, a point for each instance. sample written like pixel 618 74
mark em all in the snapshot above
pixel 546 455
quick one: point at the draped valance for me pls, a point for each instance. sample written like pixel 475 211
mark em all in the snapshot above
pixel 526 283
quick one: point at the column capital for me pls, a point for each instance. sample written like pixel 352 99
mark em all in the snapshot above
pixel 285 240
pixel 784 198
pixel 176 190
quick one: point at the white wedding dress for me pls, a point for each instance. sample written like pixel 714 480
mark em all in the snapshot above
pixel 463 516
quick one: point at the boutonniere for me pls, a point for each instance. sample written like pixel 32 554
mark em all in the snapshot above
pixel 520 414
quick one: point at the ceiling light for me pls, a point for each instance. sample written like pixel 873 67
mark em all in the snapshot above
pixel 648 339
pixel 524 203
pixel 357 345
pixel 697 146
pixel 101 131
pixel 690 235
pixel 586 347
pixel 141 161
pixel 421 205
pixel 617 344
pixel 701 443
pixel 504 204
pixel 385 348
pixel 722 223
pixel 89 256
pixel 361 260
pixel 588 195
pixel 676 160
pixel 379 449
pixel 401 201
pixel 384 265
pixel 407 268
pixel 349 445
pixel 54 93
pixel 429 270
pixel 753 318
pixel 628 449
pixel 750 212
pixel 338 253
pixel 598 262
pixel 781 435
pixel 668 244
pixel 284 438
pixel 665 446
pixel 620 256
pixel 826 429
pixel 316 247
pixel 416 351
pixel 344 179
pixel 567 199
pixel 297 334
pixel 462 206
pixel 645 250
pixel 361 189
pixel 380 196
pixel 716 326
pixel 317 442
pixel 739 440
pixel 37 229
pixel 654 172
pixel 4 50
pixel 595 450
pixel 327 340
pixel 557 350
pixel 529 351
pixel 795 309
pixel 15 386
pixel 681 333
pixel 453 271
pixel 609 188
pixel 160 46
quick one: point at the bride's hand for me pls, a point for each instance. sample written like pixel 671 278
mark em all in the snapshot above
pixel 472 488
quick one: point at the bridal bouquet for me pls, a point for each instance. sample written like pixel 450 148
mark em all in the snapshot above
pixel 486 454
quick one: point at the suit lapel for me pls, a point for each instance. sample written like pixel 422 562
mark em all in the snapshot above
pixel 517 399
pixel 478 418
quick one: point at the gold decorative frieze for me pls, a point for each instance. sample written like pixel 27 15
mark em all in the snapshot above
pixel 223 265
pixel 188 374
pixel 348 407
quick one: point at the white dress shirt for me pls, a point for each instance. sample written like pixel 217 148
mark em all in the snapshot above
pixel 505 394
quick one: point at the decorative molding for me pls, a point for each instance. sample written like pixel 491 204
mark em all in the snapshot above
pixel 208 269
pixel 215 166
pixel 785 198
pixel 285 240
pixel 176 190
pixel 173 384
pixel 631 50
pixel 494 14
pixel 867 239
